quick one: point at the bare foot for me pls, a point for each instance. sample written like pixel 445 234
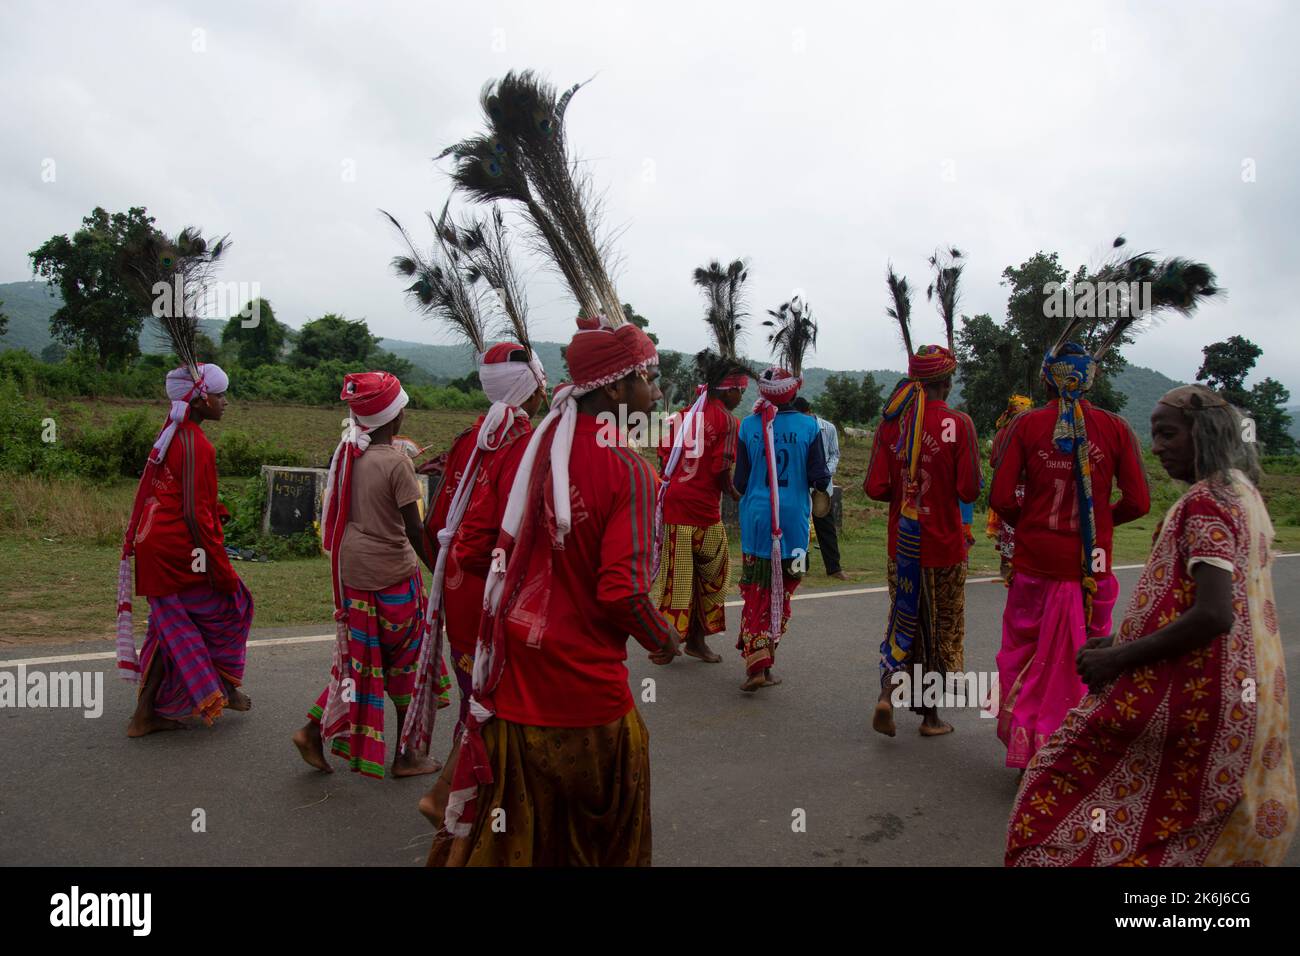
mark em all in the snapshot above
pixel 839 576
pixel 935 728
pixel 882 719
pixel 238 700
pixel 770 679
pixel 143 726
pixel 415 765
pixel 699 649
pixel 753 683
pixel 307 740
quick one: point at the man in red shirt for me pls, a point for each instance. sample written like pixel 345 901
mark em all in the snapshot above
pixel 554 764
pixel 696 470
pixel 462 525
pixel 924 459
pixel 200 612
pixel 1062 587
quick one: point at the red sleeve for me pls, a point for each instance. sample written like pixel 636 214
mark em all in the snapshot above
pixel 1008 464
pixel 1130 478
pixel 627 543
pixel 969 475
pixel 199 506
pixel 878 484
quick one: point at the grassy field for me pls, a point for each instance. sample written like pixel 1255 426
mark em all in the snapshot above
pixel 61 539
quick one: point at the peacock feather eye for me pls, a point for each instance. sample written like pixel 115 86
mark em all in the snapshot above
pixel 492 167
pixel 544 122
pixel 167 260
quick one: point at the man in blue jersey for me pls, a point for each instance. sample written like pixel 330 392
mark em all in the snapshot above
pixel 779 458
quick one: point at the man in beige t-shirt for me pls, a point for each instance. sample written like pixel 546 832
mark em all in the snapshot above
pixel 382 592
pixel 377 551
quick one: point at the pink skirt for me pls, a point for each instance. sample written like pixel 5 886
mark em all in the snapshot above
pixel 1042 632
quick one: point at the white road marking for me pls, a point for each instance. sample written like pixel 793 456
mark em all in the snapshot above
pixel 321 638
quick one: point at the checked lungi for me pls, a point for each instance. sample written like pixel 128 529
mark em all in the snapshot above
pixel 693 581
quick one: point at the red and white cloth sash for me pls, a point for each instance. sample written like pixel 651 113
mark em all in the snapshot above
pixel 685 427
pixel 768 413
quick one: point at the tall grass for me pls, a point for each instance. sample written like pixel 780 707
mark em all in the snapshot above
pixel 32 507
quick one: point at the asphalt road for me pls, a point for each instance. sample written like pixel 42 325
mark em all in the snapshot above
pixel 729 770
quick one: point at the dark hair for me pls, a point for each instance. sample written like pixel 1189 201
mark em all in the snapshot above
pixel 518 355
pixel 801 404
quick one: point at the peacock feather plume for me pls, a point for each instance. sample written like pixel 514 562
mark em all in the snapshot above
pixel 943 290
pixel 486 245
pixel 901 310
pixel 794 333
pixel 185 265
pixel 724 296
pixel 440 287
pixel 523 157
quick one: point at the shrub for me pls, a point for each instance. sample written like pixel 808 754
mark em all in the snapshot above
pixel 238 455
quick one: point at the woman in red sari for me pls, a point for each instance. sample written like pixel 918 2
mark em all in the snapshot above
pixel 1179 755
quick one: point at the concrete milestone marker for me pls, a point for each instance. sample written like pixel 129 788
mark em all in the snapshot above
pixel 294 495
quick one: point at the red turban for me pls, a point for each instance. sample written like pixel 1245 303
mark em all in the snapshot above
pixel 374 397
pixel 931 363
pixel 602 356
pixel 778 386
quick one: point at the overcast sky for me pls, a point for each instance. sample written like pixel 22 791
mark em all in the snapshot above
pixel 817 140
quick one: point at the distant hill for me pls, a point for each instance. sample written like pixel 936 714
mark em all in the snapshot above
pixel 29 306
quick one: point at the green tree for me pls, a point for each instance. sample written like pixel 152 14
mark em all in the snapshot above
pixel 4 319
pixel 54 353
pixel 99 315
pixel 640 321
pixel 844 401
pixel 997 361
pixel 332 337
pixel 261 343
pixel 676 378
pixel 1226 366
pixel 467 383
pixel 1267 405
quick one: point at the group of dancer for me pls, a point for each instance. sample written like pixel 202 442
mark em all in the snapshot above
pixel 550 546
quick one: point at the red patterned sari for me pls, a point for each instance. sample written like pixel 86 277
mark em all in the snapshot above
pixel 1184 762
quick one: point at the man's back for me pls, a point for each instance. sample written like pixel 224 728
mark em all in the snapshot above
pixel 949 470
pixel 567 632
pixel 694 494
pixel 1048 539
pixel 797 442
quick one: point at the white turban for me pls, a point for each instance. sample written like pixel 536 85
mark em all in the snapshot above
pixel 511 382
pixel 508 385
pixel 181 385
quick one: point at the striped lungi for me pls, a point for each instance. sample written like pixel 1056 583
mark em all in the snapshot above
pixel 202 635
